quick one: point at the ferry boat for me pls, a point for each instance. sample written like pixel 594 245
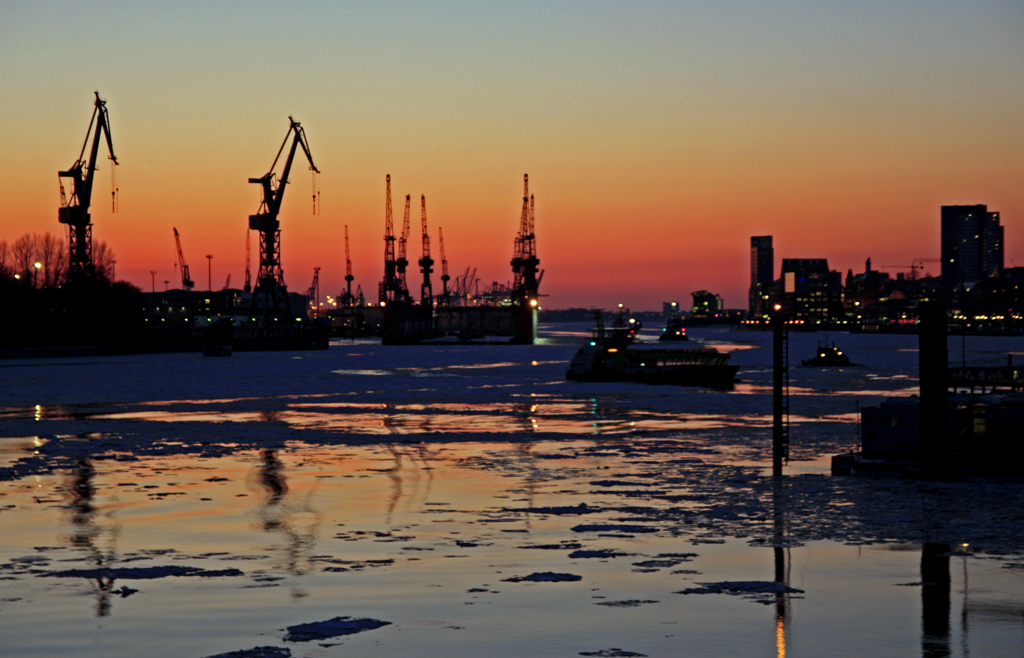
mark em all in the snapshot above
pixel 612 356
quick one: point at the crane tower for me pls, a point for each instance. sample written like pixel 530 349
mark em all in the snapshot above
pixel 524 261
pixel 426 262
pixel 347 298
pixel 389 286
pixel 445 293
pixel 402 294
pixel 526 282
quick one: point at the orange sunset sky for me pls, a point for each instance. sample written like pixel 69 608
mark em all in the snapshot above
pixel 658 136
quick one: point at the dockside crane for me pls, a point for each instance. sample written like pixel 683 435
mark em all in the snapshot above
pixel 389 287
pixel 426 262
pixel 445 294
pixel 314 291
pixel 402 262
pixel 74 210
pixel 347 299
pixel 186 280
pixel 915 265
pixel 270 278
pixel 525 285
pixel 524 261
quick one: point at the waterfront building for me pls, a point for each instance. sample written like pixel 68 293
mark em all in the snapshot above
pixel 707 305
pixel 972 245
pixel 812 294
pixel 762 274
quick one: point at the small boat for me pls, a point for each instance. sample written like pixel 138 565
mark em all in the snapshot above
pixel 612 356
pixel 674 330
pixel 828 356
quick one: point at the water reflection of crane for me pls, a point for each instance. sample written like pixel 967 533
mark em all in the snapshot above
pixel 81 492
pixel 278 515
pixel 398 452
pixel 535 475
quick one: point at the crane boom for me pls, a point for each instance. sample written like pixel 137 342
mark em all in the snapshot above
pixel 74 211
pixel 186 280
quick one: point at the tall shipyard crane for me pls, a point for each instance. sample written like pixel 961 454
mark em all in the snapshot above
pixel 445 293
pixel 74 210
pixel 346 298
pixel 524 260
pixel 270 278
pixel 389 286
pixel 402 262
pixel 526 283
pixel 186 280
pixel 426 262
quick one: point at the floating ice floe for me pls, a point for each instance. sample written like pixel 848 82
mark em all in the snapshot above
pixel 323 630
pixel 566 545
pixel 755 590
pixel 582 508
pixel 598 553
pixel 630 603
pixel 256 652
pixel 142 573
pixel 614 527
pixel 545 577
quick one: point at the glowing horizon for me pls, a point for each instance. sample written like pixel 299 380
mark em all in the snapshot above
pixel 658 137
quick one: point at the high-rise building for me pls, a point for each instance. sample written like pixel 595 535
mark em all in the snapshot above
pixel 812 293
pixel 762 274
pixel 972 245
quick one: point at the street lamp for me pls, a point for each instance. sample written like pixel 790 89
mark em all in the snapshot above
pixel 209 272
pixel 38 266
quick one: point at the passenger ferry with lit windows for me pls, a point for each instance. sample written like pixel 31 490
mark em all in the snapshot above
pixel 613 355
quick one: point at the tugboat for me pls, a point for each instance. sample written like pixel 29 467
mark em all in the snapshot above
pixel 612 356
pixel 674 330
pixel 828 356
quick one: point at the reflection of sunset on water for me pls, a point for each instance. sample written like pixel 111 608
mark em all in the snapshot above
pixel 272 491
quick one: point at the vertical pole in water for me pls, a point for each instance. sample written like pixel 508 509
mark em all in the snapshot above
pixel 779 366
pixel 934 375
